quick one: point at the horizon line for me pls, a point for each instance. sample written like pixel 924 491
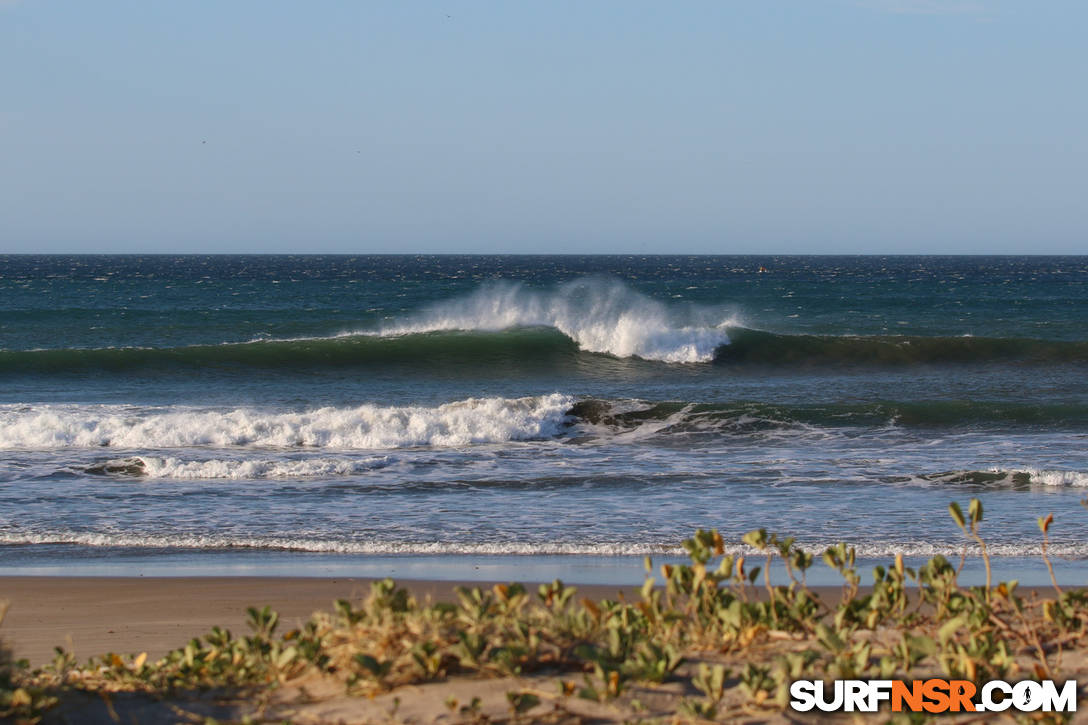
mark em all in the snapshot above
pixel 534 254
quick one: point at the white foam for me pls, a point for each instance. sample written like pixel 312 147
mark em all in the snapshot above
pixel 1076 479
pixel 1036 477
pixel 602 316
pixel 865 551
pixel 466 422
pixel 260 468
pixel 333 546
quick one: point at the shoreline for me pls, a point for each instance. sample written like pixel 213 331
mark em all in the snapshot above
pixel 619 570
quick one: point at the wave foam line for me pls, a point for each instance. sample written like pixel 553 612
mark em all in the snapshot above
pixel 467 422
pixel 330 546
pixel 602 316
pixel 1076 479
pixel 1013 476
pixel 235 470
pixel 869 551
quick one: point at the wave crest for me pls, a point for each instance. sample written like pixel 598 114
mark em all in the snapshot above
pixel 602 316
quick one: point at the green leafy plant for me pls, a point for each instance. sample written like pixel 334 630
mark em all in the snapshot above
pixel 911 623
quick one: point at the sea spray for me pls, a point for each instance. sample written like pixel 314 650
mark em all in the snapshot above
pixel 604 316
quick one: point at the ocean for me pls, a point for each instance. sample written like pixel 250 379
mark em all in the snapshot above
pixel 430 414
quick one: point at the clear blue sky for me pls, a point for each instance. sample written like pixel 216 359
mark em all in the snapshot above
pixel 726 126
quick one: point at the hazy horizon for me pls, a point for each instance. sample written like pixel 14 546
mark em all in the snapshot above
pixel 753 255
pixel 787 127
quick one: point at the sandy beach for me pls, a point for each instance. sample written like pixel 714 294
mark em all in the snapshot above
pixel 90 616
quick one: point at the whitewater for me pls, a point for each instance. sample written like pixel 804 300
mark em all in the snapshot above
pixel 460 423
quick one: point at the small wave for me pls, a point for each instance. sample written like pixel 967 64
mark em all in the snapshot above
pixel 256 469
pixel 754 416
pixel 209 542
pixel 747 347
pixel 1024 477
pixel 466 422
pixel 628 421
pixel 602 316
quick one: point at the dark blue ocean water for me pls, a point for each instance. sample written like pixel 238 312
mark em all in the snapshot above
pixel 536 405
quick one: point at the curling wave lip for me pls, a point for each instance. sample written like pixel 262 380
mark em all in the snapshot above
pixel 603 316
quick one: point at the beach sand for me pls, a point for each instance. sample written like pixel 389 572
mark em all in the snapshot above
pixel 90 616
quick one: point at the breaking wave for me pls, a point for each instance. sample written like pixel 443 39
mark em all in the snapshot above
pixel 601 316
pixel 499 324
pixel 461 423
pixel 453 342
pixel 470 422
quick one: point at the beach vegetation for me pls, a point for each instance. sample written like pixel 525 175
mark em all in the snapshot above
pixel 713 638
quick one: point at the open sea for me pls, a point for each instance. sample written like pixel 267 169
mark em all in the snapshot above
pixel 314 414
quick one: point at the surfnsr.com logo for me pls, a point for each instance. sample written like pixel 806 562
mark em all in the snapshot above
pixel 933 696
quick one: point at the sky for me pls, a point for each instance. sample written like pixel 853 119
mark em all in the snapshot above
pixel 565 126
